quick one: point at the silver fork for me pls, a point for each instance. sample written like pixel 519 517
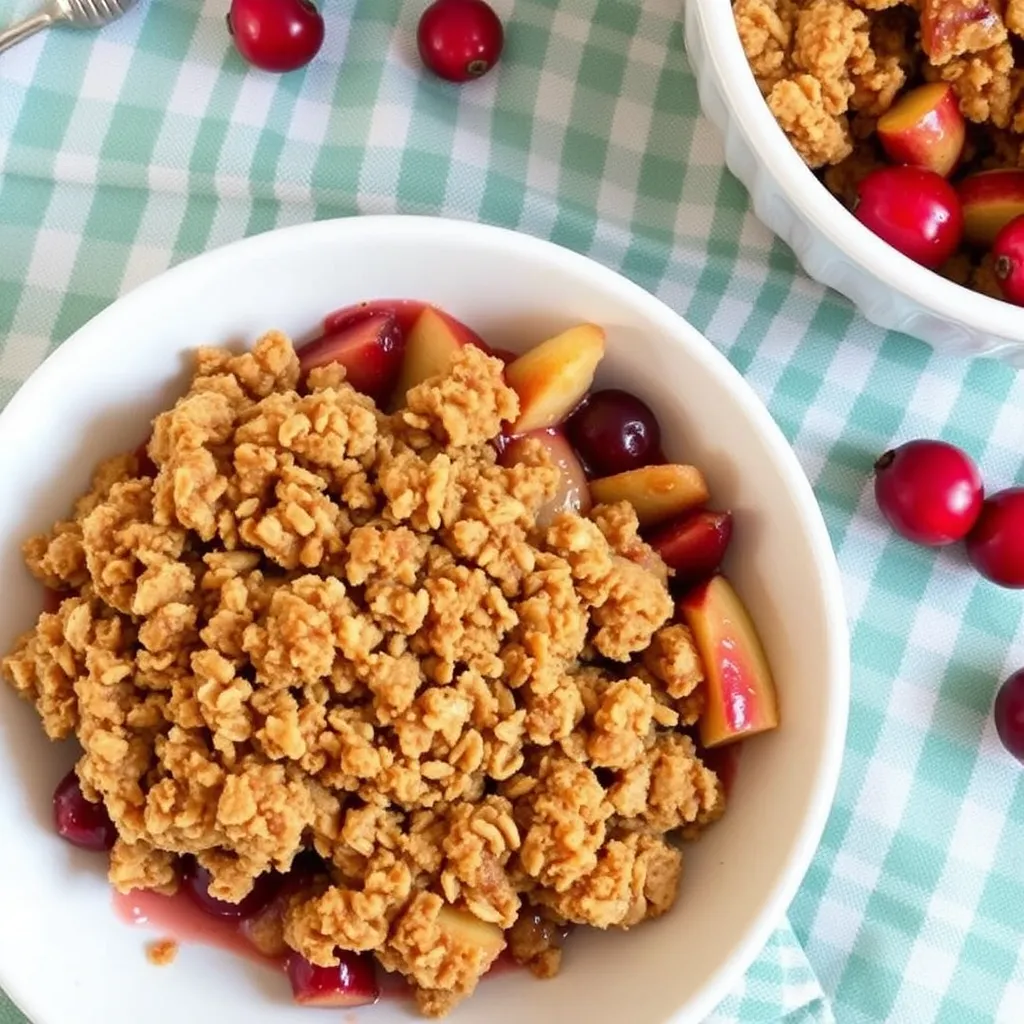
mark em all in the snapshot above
pixel 75 13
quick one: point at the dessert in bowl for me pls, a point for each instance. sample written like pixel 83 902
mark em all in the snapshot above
pixel 844 121
pixel 450 855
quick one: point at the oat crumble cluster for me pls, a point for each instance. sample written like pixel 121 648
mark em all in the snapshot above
pixel 302 622
pixel 829 68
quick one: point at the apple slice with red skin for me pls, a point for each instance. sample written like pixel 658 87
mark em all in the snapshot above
pixel 552 378
pixel 370 347
pixel 350 982
pixel 657 493
pixel 741 699
pixel 430 347
pixel 990 200
pixel 952 27
pixel 695 545
pixel 405 311
pixel 924 128
pixel 573 494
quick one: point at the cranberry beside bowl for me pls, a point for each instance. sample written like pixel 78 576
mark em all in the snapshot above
pixel 832 245
pixel 62 945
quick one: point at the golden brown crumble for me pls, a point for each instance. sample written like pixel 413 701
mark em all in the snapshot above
pixel 824 64
pixel 844 178
pixel 162 953
pixel 320 625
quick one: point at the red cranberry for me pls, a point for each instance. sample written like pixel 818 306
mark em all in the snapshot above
pixel 276 35
pixel 79 821
pixel 914 210
pixel 1008 713
pixel 929 491
pixel 197 885
pixel 460 39
pixel 1008 250
pixel 614 432
pixel 995 547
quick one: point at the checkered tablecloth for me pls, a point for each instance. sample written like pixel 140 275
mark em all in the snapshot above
pixel 129 150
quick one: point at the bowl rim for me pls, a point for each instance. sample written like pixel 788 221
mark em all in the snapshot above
pixel 182 277
pixel 747 107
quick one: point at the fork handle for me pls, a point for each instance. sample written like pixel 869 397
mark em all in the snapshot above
pixel 23 29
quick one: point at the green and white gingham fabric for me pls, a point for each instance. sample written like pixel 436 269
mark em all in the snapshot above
pixel 126 151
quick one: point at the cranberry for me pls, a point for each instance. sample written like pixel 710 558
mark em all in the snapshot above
pixel 79 821
pixel 929 491
pixel 1008 713
pixel 995 547
pixel 914 210
pixel 1008 250
pixel 197 885
pixel 460 39
pixel 276 35
pixel 614 432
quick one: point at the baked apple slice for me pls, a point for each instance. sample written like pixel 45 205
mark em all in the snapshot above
pixel 552 378
pixel 924 128
pixel 350 982
pixel 695 545
pixel 468 932
pixel 952 27
pixel 657 493
pixel 573 494
pixel 741 699
pixel 370 348
pixel 990 200
pixel 432 343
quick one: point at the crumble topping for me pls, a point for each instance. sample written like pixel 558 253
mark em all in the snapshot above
pixel 301 622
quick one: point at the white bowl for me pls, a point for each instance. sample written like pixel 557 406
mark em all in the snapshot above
pixel 65 958
pixel 831 244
